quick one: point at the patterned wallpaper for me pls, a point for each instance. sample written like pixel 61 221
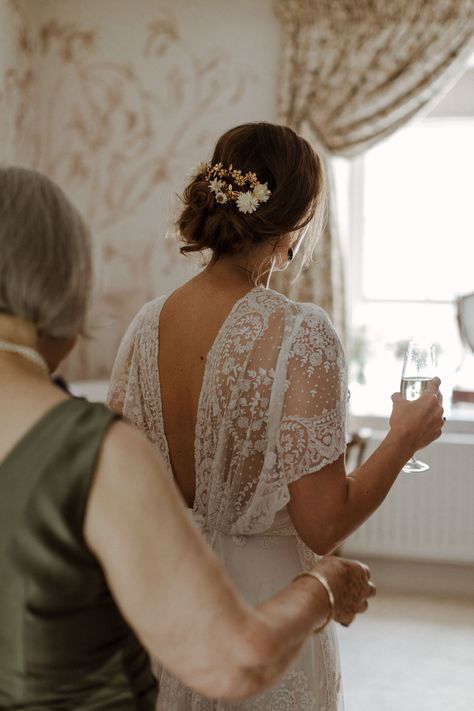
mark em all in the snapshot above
pixel 117 102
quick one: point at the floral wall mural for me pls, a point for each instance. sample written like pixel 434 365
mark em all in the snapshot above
pixel 117 102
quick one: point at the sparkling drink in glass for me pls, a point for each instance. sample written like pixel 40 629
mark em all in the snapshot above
pixel 418 369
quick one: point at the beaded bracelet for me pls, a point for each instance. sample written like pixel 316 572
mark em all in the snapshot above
pixel 321 579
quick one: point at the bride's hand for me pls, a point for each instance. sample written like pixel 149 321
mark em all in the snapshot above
pixel 350 583
pixel 419 422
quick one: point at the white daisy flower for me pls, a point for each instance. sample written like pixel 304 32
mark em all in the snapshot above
pixel 247 202
pixel 221 197
pixel 198 170
pixel 261 192
pixel 215 185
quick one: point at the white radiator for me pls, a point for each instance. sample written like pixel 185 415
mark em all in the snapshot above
pixel 429 515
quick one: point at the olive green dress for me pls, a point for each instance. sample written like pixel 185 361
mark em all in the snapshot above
pixel 63 642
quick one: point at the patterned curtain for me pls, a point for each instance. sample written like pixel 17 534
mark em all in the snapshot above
pixel 351 74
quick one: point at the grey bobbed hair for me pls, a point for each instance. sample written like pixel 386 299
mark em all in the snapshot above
pixel 45 254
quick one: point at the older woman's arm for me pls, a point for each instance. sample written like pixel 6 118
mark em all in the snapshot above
pixel 173 592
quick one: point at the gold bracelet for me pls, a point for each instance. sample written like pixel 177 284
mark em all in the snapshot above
pixel 321 579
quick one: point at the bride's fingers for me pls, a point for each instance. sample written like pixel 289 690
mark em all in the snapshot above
pixel 372 589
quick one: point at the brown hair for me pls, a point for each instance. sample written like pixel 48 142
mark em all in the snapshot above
pixel 280 158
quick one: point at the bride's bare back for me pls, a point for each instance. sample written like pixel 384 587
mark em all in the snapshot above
pixel 189 323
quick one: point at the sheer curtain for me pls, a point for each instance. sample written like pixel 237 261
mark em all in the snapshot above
pixel 351 74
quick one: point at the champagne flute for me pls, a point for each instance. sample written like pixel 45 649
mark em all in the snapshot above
pixel 418 369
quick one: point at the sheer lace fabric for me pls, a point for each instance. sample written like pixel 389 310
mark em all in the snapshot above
pixel 272 409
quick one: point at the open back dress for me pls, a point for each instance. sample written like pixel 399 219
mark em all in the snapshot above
pixel 272 409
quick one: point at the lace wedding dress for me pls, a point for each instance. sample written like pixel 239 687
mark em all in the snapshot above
pixel 271 409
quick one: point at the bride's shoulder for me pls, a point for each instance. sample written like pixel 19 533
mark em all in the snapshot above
pixel 153 305
pixel 314 313
pixel 147 315
pixel 307 311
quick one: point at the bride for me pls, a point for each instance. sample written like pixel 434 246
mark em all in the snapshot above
pixel 244 393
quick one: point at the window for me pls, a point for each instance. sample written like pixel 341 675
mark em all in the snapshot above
pixel 418 214
pixel 410 225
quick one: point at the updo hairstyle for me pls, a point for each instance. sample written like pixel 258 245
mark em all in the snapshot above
pixel 279 157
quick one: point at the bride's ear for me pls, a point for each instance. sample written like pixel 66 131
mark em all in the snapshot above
pixel 283 252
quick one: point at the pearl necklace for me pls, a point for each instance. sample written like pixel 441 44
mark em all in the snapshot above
pixel 27 353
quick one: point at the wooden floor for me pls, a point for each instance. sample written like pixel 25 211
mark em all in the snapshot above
pixel 410 653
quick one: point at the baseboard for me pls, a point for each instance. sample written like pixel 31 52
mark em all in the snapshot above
pixel 419 577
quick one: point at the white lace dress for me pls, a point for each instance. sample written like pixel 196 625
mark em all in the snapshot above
pixel 272 408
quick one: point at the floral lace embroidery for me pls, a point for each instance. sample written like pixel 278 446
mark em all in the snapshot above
pixel 292 693
pixel 134 389
pixel 263 541
pixel 271 409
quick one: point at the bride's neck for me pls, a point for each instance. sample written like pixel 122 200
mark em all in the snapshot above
pixel 242 272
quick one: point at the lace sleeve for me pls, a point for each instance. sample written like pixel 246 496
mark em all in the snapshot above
pixel 118 383
pixel 313 423
pixel 134 384
pixel 272 409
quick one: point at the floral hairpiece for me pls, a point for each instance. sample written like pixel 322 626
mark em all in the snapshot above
pixel 232 188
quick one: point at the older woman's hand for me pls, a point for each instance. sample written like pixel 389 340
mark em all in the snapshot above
pixel 350 583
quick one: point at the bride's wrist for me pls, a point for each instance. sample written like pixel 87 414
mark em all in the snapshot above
pixel 401 442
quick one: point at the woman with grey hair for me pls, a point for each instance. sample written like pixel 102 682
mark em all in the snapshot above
pixel 99 561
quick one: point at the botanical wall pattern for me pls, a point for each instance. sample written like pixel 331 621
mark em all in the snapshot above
pixel 117 102
pixel 17 86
